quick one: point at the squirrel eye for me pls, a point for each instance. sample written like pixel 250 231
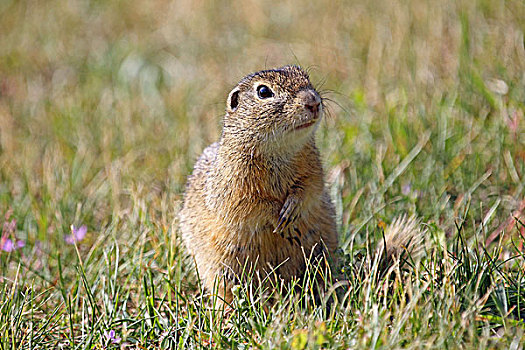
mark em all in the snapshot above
pixel 264 91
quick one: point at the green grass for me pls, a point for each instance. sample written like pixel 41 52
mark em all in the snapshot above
pixel 105 105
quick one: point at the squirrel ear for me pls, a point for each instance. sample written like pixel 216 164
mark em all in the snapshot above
pixel 233 100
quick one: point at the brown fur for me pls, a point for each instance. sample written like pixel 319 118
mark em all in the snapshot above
pixel 256 198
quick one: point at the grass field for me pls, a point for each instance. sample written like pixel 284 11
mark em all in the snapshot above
pixel 105 106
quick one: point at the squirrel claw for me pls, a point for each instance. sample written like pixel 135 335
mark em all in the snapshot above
pixel 288 214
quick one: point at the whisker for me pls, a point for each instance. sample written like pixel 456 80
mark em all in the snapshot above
pixel 321 83
pixel 337 103
pixel 310 68
pixel 329 113
pixel 331 91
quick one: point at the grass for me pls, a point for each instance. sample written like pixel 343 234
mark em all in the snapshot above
pixel 105 105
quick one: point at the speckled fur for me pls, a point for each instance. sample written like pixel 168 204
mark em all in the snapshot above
pixel 235 196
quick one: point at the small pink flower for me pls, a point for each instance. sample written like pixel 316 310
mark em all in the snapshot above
pixel 7 244
pixel 77 234
pixel 111 337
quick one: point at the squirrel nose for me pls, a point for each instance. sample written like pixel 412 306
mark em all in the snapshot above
pixel 312 100
pixel 313 106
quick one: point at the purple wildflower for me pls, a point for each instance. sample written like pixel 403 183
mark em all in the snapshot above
pixel 77 234
pixel 7 244
pixel 111 337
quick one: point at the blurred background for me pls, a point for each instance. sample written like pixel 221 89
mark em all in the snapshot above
pixel 105 106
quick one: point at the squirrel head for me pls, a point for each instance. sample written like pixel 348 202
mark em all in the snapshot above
pixel 273 109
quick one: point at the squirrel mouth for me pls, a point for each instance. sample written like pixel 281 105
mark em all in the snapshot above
pixel 307 124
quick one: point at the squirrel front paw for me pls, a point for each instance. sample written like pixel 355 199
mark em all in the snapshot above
pixel 287 218
pixel 289 213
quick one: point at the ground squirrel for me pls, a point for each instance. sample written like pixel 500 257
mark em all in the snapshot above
pixel 257 196
pixel 256 199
